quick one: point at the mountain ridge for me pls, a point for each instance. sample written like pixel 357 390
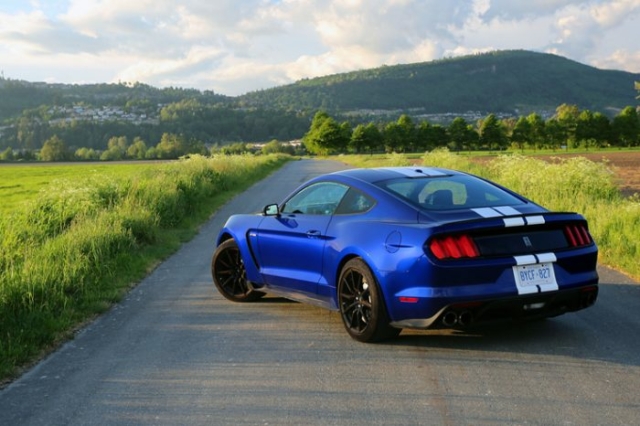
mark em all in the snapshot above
pixel 500 81
pixel 514 82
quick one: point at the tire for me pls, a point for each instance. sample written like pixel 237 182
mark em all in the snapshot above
pixel 229 274
pixel 361 305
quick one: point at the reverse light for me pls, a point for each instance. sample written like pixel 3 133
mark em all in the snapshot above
pixel 577 235
pixel 453 247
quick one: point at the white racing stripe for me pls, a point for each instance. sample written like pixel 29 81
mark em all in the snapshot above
pixel 508 211
pixel 525 260
pixel 487 212
pixel 546 257
pixel 521 220
pixel 534 220
pixel 513 221
pixel 530 259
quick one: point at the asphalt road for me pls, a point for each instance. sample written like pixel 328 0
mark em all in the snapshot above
pixel 174 352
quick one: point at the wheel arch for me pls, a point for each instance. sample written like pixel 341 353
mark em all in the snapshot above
pixel 251 267
pixel 374 272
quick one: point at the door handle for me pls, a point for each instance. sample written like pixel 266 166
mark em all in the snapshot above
pixel 314 234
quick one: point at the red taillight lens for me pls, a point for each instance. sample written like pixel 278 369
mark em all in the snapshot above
pixel 577 235
pixel 453 247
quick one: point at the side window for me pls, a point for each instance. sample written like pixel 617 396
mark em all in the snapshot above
pixel 355 202
pixel 320 198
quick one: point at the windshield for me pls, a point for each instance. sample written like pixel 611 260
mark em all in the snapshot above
pixel 449 192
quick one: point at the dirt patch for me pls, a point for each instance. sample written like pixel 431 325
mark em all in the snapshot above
pixel 624 164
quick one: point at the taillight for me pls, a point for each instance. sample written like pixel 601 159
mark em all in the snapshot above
pixel 453 247
pixel 577 235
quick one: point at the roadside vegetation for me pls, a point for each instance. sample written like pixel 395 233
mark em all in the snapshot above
pixel 76 247
pixel 72 246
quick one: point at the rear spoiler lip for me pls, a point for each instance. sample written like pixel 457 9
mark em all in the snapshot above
pixel 502 222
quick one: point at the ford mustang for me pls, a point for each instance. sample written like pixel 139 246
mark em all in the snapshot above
pixel 410 247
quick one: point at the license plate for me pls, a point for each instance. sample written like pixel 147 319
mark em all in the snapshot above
pixel 535 278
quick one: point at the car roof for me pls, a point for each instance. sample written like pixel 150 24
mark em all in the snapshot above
pixel 372 175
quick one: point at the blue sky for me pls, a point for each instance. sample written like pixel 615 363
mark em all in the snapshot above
pixel 237 46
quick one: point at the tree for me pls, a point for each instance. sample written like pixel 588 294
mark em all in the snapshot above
pixel 310 139
pixel 86 154
pixel 522 133
pixel 538 130
pixel 29 132
pixel 119 142
pixel 567 116
pixel 409 134
pixel 592 129
pixel 53 149
pixel 460 133
pixel 171 146
pixel 602 129
pixel 432 135
pixel 332 137
pixel 138 149
pixel 7 155
pixel 393 137
pixel 492 133
pixel 233 149
pixel 626 126
pixel 325 135
pixel 347 132
pixel 116 149
pixel 556 134
pixel 151 154
pixel 365 138
pixel 276 146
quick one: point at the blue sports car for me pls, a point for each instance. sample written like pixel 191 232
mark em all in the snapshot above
pixel 410 247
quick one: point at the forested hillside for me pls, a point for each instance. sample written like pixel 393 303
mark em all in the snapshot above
pixel 504 81
pixel 16 96
pixel 89 120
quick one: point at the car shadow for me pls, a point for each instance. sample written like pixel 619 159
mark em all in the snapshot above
pixel 606 331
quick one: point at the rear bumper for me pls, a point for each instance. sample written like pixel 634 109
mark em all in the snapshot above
pixel 540 305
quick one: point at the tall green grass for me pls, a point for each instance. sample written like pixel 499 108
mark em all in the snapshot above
pixel 72 251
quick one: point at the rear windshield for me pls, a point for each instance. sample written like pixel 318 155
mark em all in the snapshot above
pixel 449 192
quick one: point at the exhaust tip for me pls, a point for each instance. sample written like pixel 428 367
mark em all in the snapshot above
pixel 465 318
pixel 450 318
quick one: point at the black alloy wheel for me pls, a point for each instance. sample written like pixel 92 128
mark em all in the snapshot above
pixel 229 274
pixel 361 306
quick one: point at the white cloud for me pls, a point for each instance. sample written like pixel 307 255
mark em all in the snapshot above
pixel 234 46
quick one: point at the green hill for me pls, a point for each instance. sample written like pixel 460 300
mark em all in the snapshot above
pixel 503 81
pixel 17 96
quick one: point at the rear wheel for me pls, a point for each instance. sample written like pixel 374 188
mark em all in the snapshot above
pixel 361 305
pixel 229 275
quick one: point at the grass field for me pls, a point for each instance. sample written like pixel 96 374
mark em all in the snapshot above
pixel 75 238
pixel 20 183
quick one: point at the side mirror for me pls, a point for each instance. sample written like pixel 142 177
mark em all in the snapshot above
pixel 271 210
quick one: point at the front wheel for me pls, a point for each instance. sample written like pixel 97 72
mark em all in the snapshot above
pixel 361 305
pixel 229 275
